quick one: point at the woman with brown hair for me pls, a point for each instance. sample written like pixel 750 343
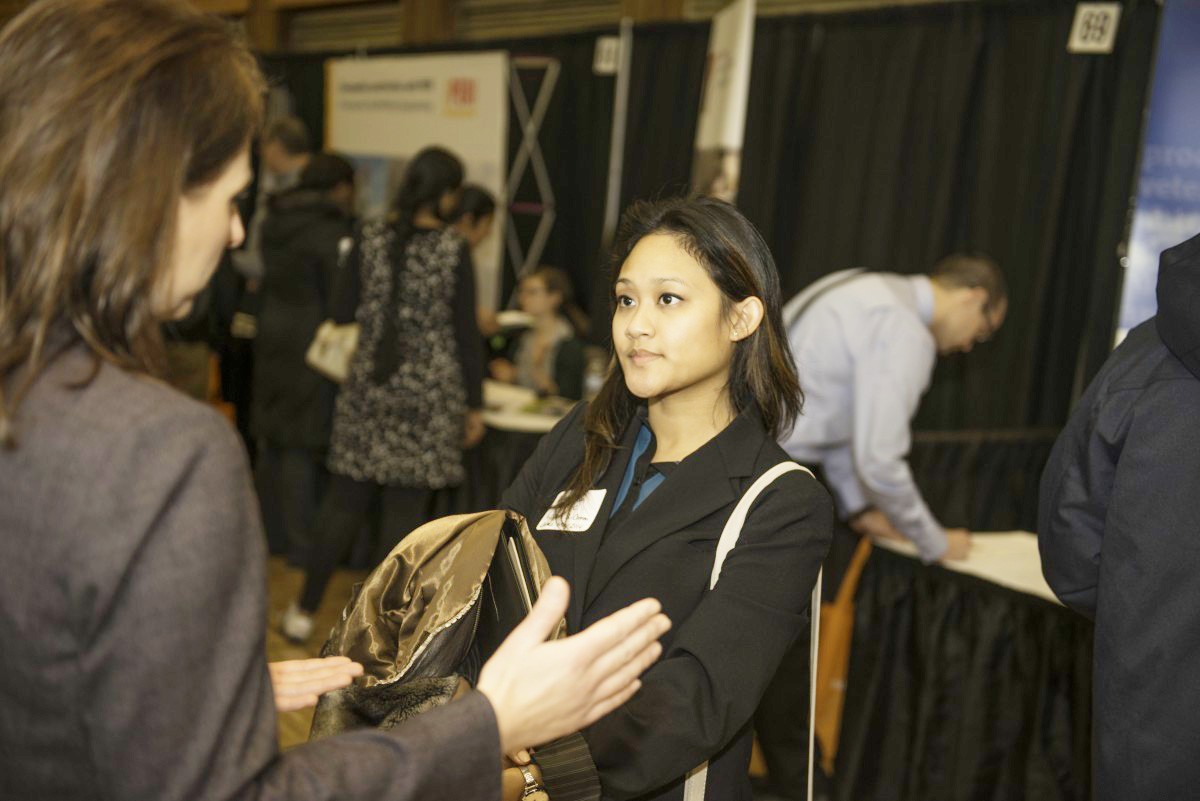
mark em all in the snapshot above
pixel 547 357
pixel 133 609
pixel 631 494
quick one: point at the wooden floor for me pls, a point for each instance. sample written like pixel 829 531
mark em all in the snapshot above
pixel 283 584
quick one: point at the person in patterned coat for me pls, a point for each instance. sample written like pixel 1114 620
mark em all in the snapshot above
pixel 413 398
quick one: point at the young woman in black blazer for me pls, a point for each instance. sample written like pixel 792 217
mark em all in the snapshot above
pixel 628 496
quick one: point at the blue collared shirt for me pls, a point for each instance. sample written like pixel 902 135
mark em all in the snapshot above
pixel 865 355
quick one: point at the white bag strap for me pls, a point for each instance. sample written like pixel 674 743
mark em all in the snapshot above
pixel 815 612
pixel 697 779
pixel 733 526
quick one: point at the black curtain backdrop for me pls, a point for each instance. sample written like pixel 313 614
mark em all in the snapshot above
pixel 667 75
pixel 889 138
pixel 982 480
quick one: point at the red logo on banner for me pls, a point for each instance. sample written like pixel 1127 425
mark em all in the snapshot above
pixel 460 96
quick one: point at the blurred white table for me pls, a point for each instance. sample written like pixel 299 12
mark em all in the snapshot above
pixel 505 409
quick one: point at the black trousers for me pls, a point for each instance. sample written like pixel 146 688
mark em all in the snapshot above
pixel 288 482
pixel 345 507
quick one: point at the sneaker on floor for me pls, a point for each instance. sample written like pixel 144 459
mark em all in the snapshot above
pixel 296 625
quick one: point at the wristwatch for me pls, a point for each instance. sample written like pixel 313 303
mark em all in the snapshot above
pixel 534 791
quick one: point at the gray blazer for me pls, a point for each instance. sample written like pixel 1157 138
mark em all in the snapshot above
pixel 132 620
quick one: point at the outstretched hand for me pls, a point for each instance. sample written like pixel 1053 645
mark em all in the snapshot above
pixel 542 690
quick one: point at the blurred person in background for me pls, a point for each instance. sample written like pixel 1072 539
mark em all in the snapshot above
pixel 547 357
pixel 305 234
pixel 413 399
pixel 284 150
pixel 868 342
pixel 474 219
pixel 475 215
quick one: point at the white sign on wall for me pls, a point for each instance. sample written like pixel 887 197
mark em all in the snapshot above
pixel 1095 28
pixel 381 111
pixel 607 55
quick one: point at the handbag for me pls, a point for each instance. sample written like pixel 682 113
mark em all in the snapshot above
pixel 331 350
pixel 697 779
pixel 429 616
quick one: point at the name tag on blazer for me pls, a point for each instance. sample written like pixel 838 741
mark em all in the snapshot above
pixel 579 518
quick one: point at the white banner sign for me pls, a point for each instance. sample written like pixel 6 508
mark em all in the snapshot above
pixel 381 111
pixel 722 124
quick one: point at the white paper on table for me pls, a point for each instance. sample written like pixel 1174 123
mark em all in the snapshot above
pixel 1009 559
pixel 502 395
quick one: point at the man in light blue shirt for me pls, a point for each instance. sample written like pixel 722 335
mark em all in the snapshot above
pixel 865 346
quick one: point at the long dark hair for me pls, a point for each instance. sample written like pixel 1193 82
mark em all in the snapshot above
pixel 762 374
pixel 432 173
pixel 325 171
pixel 110 110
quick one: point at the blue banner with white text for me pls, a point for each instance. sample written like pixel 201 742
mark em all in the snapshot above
pixel 1167 205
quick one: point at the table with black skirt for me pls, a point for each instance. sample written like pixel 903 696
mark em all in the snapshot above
pixel 971 683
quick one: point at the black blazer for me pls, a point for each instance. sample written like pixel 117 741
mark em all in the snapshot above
pixel 696 703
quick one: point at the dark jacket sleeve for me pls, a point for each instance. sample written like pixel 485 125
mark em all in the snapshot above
pixel 347 285
pixel 175 692
pixel 466 329
pixel 568 369
pixel 708 684
pixel 325 248
pixel 1074 495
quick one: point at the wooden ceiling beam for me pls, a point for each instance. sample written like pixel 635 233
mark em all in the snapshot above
pixel 290 5
pixel 426 21
pixel 652 10
pixel 227 7
pixel 264 26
